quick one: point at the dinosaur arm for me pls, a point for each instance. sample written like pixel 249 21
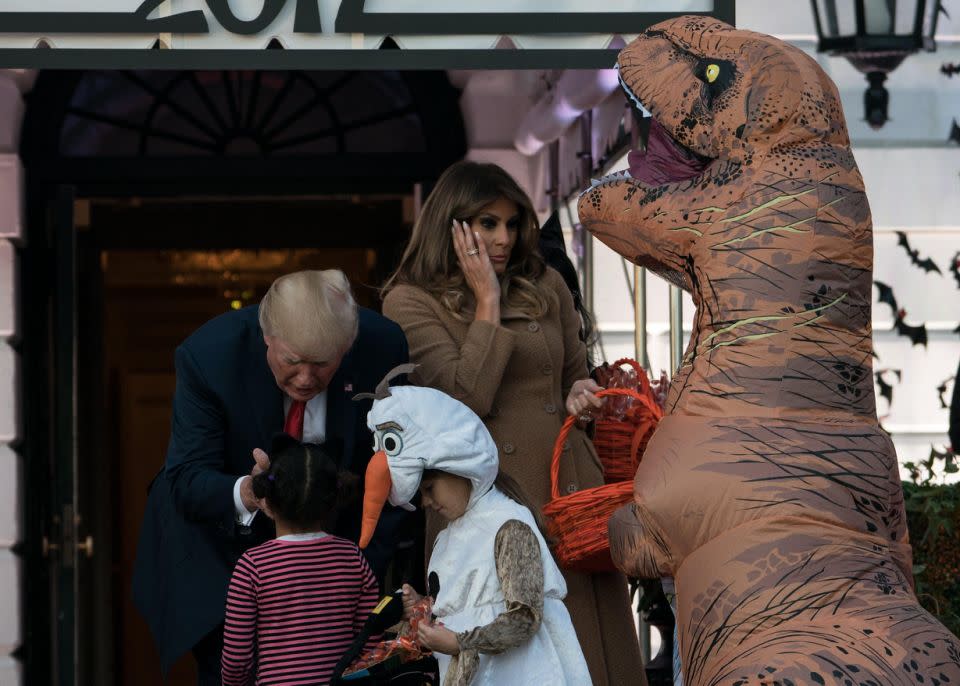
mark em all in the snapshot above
pixel 644 224
pixel 637 546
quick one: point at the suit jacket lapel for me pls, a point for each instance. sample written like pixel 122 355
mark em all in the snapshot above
pixel 265 396
pixel 342 411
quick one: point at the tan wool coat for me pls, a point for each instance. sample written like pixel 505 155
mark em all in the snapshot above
pixel 516 377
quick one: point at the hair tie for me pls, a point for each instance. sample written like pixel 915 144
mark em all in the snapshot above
pixel 270 477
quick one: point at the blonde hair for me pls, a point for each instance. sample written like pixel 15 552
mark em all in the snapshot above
pixel 430 262
pixel 313 312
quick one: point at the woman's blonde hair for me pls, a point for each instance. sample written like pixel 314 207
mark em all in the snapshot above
pixel 430 262
pixel 313 312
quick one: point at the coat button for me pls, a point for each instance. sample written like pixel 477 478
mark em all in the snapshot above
pixel 508 448
pixel 566 447
pixel 571 488
pixel 550 408
pixel 547 369
pixel 533 327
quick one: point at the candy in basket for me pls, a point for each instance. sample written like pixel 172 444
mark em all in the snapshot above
pixel 625 424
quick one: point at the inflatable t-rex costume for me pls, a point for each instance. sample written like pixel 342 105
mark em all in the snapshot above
pixel 769 492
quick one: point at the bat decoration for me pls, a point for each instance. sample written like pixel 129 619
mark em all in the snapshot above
pixel 916 334
pixel 948 69
pixel 955 268
pixel 926 264
pixel 886 389
pixel 954 133
pixel 885 295
pixel 942 391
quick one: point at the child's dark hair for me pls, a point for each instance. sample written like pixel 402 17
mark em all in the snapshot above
pixel 303 485
pixel 510 488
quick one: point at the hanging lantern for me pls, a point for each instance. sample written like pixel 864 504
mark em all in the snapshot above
pixel 875 36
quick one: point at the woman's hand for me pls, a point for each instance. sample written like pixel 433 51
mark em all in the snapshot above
pixel 478 271
pixel 438 638
pixel 582 401
pixel 410 598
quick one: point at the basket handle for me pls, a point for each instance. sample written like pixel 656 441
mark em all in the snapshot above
pixel 568 425
pixel 641 373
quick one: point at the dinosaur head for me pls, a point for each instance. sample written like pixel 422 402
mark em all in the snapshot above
pixel 725 93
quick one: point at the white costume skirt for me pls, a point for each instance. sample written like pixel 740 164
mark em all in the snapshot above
pixel 552 656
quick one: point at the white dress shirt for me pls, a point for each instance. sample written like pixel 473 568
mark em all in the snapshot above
pixel 314 431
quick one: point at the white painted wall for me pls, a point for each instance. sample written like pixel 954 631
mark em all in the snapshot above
pixel 11 231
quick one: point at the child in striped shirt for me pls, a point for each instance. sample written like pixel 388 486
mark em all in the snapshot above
pixel 296 603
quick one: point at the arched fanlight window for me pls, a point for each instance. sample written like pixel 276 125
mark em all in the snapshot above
pixel 352 130
pixel 239 113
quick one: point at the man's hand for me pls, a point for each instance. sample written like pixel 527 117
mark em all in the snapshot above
pixel 261 464
pixel 438 638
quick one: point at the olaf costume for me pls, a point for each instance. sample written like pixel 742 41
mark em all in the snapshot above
pixel 421 428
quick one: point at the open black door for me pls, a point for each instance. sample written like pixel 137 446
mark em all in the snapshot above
pixel 66 544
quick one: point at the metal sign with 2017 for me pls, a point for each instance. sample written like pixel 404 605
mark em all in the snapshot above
pixel 253 18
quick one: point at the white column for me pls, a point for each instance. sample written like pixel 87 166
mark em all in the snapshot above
pixel 11 234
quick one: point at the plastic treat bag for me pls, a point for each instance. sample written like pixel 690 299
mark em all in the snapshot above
pixel 390 653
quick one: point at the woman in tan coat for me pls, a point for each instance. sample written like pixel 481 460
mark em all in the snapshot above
pixel 491 325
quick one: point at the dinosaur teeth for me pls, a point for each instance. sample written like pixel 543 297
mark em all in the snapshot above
pixel 636 101
pixel 618 175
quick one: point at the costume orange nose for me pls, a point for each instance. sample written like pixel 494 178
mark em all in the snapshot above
pixel 377 484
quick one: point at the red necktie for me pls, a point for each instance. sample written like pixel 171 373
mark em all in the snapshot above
pixel 294 423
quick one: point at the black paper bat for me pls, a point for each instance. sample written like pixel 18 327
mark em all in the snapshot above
pixel 955 267
pixel 948 69
pixel 885 295
pixel 886 390
pixel 916 334
pixel 926 264
pixel 942 391
pixel 954 133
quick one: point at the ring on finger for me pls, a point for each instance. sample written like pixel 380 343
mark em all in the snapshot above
pixel 473 251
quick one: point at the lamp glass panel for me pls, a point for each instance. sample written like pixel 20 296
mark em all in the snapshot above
pixel 929 18
pixel 881 17
pixel 837 18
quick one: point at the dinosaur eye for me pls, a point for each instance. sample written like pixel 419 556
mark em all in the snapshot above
pixel 713 71
pixel 391 442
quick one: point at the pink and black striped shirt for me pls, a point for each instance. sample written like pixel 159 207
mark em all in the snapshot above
pixel 294 607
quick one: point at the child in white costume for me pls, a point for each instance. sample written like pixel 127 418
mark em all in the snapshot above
pixel 499 606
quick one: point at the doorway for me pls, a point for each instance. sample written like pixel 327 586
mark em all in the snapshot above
pixel 192 260
pixel 189 260
pixel 157 200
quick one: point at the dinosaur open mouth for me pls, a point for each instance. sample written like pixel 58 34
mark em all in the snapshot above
pixel 662 159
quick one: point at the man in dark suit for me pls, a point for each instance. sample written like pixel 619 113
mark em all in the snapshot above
pixel 292 364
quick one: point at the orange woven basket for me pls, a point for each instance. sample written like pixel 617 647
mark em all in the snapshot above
pixel 620 443
pixel 578 522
